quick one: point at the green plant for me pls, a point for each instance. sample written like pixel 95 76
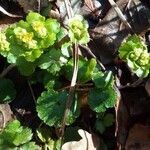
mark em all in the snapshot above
pixel 37 43
pixel 103 121
pixel 134 51
pixel 44 135
pixel 14 137
pixel 101 95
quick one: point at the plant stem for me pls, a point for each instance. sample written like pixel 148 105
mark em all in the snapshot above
pixel 32 92
pixel 5 71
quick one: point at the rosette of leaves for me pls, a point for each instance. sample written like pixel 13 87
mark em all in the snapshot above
pixel 134 51
pixel 14 137
pixel 27 40
pixel 78 30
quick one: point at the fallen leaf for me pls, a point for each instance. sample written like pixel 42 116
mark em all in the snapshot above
pixel 139 138
pixel 5 114
pixel 89 141
pixel 122 118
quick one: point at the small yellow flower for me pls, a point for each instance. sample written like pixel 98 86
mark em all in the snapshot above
pixel 39 28
pixel 4 45
pixel 23 35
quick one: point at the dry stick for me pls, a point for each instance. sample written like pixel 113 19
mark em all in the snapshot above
pixel 72 88
pixel 32 92
pixel 9 14
pixel 127 7
pixel 5 71
pixel 68 8
pixel 75 72
pixel 39 5
pixel 119 13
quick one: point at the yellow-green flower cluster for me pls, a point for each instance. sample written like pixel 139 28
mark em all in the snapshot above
pixel 78 30
pixel 4 44
pixel 39 28
pixel 135 52
pixel 30 38
pixel 25 38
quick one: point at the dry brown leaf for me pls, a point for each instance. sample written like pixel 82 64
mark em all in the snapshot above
pixel 5 114
pixel 122 117
pixel 139 138
pixel 88 142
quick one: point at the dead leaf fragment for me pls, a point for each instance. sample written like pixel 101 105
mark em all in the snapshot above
pixel 139 138
pixel 5 114
pixel 88 142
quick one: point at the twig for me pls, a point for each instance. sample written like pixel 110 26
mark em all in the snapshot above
pixel 119 13
pixel 39 6
pixel 134 84
pixel 72 88
pixel 5 71
pixel 127 7
pixel 9 14
pixel 75 72
pixel 32 92
pixel 68 8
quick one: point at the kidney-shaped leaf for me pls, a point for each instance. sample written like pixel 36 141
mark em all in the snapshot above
pixel 51 106
pixel 99 100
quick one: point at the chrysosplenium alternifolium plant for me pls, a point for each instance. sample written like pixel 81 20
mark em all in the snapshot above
pixel 37 42
pixel 29 42
pixel 135 53
pixel 78 30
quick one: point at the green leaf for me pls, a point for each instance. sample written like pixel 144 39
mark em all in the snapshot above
pixel 99 100
pixel 26 68
pixel 85 71
pixel 28 146
pixel 7 91
pixel 48 41
pixel 53 144
pixel 15 135
pixel 33 16
pixel 100 127
pixel 108 120
pixel 45 135
pixel 52 26
pixel 49 58
pixel 48 105
pixel 65 49
pixel 103 80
